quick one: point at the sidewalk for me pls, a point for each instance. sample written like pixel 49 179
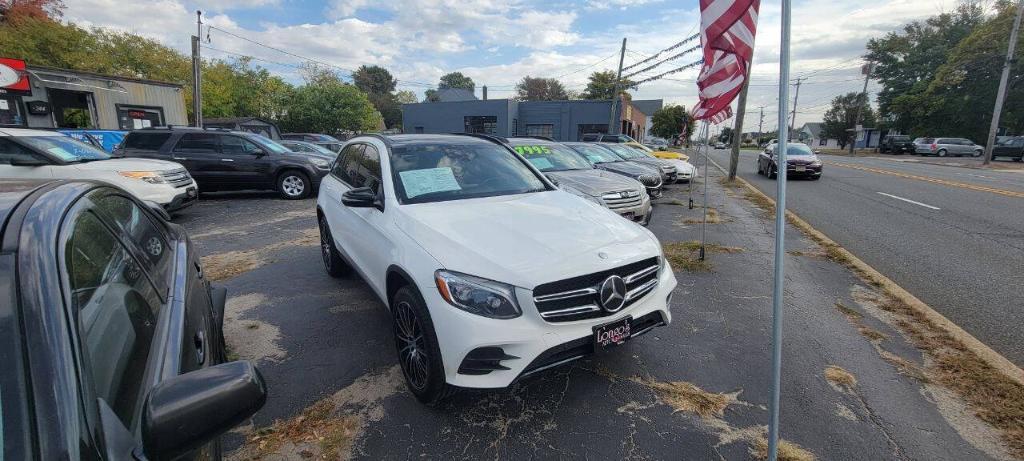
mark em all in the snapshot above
pixel 854 387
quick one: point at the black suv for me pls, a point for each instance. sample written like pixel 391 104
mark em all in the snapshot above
pixel 111 343
pixel 896 144
pixel 230 160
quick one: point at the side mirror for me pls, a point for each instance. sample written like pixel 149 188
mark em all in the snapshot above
pixel 158 210
pixel 28 161
pixel 360 197
pixel 190 410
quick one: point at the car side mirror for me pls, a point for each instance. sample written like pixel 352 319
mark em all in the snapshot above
pixel 190 410
pixel 27 161
pixel 360 197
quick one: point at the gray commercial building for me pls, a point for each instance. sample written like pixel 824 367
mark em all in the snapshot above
pixel 559 120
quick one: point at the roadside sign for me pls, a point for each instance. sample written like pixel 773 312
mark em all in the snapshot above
pixel 13 78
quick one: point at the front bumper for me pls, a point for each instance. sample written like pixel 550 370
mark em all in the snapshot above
pixel 170 197
pixel 532 342
pixel 639 214
pixel 808 170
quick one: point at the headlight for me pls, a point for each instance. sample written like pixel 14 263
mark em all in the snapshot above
pixel 149 176
pixel 478 296
pixel 816 163
pixel 320 163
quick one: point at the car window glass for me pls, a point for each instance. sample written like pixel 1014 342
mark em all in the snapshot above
pixel 143 233
pixel 65 148
pixel 341 167
pixel 116 309
pixel 362 167
pixel 551 157
pixel 148 141
pixel 596 154
pixel 234 145
pixel 197 142
pixel 11 151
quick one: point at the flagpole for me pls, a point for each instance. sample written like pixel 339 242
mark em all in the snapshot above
pixel 689 186
pixel 704 221
pixel 780 231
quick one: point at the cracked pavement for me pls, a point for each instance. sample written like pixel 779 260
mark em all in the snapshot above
pixel 330 335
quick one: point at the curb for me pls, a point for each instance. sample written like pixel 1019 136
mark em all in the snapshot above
pixel 990 356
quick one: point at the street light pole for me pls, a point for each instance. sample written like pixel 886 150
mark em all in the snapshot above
pixel 1001 94
pixel 613 125
pixel 860 105
pixel 197 71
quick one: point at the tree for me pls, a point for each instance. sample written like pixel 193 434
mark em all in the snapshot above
pixel 667 122
pixel 431 96
pixel 15 10
pixel 456 80
pixel 601 86
pixel 842 115
pixel 374 80
pixel 540 89
pixel 329 107
pixel 725 135
pixel 405 97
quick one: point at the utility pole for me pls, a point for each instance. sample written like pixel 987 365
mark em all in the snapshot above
pixel 759 125
pixel 866 70
pixel 613 125
pixel 1001 94
pixel 795 96
pixel 737 128
pixel 197 71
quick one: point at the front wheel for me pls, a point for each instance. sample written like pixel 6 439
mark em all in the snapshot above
pixel 418 352
pixel 941 153
pixel 333 263
pixel 294 185
pixel 977 153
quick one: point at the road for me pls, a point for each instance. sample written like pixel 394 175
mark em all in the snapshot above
pixel 954 237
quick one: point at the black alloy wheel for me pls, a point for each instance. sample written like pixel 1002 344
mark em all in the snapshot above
pixel 333 262
pixel 418 352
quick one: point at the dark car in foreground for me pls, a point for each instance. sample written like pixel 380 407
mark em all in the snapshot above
pixel 801 161
pixel 111 343
pixel 231 160
pixel 1012 147
pixel 897 144
pixel 604 159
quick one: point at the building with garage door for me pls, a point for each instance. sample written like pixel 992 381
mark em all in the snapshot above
pixel 44 97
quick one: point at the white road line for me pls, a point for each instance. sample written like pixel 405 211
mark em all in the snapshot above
pixel 909 201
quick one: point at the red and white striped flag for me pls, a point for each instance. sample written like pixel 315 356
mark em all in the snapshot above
pixel 727 35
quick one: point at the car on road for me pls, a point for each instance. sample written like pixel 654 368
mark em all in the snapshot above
pixel 669 173
pixel 605 159
pixel 604 137
pixel 719 145
pixel 221 159
pixel 574 174
pixel 41 154
pixel 111 343
pixel 943 147
pixel 897 144
pixel 800 161
pixel 490 272
pixel 922 145
pixel 327 141
pixel 1012 147
pixel 684 169
pixel 308 147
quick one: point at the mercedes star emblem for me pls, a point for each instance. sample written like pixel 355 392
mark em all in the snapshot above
pixel 612 293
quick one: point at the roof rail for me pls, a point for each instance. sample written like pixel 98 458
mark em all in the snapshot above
pixel 488 137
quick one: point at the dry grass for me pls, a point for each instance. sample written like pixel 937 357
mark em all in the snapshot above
pixel 223 266
pixel 317 425
pixel 713 218
pixel 787 451
pixel 683 396
pixel 840 377
pixel 674 202
pixel 686 255
pixel 849 312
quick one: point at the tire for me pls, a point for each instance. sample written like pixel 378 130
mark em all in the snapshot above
pixel 294 185
pixel 977 153
pixel 941 153
pixel 418 352
pixel 773 173
pixel 334 264
pixel 759 170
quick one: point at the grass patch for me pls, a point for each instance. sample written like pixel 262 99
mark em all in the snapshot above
pixel 674 202
pixel 316 425
pixel 713 218
pixel 849 312
pixel 683 396
pixel 840 377
pixel 787 451
pixel 871 333
pixel 686 255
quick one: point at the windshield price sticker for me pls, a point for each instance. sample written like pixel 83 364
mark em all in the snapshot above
pixel 532 150
pixel 419 182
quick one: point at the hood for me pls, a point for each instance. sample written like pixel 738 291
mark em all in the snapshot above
pixel 129 164
pixel 594 182
pixel 802 160
pixel 683 167
pixel 629 168
pixel 655 162
pixel 527 239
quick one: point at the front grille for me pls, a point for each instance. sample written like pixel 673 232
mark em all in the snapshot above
pixel 577 298
pixel 623 199
pixel 177 178
pixel 650 180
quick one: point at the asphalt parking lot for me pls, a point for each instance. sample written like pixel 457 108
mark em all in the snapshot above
pixel 696 389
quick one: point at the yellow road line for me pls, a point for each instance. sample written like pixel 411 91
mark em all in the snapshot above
pixel 962 185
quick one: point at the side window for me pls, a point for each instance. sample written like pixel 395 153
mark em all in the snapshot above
pixel 197 142
pixel 116 310
pixel 146 141
pixel 234 145
pixel 371 168
pixel 11 151
pixel 342 167
pixel 141 232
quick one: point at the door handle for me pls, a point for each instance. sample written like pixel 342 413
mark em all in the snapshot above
pixel 227 160
pixel 200 342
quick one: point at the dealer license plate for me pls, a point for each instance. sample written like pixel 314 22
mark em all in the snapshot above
pixel 612 334
pixel 801 169
pixel 628 215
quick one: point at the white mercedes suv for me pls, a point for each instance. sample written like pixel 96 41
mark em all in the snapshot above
pixel 490 272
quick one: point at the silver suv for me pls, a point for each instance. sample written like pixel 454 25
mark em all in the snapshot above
pixel 949 146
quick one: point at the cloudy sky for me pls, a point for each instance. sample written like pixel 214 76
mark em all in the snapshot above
pixel 498 42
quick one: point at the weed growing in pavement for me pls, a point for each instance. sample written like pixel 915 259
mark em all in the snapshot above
pixel 683 396
pixel 713 218
pixel 316 425
pixel 787 451
pixel 840 377
pixel 674 202
pixel 686 255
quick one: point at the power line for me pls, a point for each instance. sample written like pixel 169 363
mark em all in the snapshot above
pixel 652 66
pixel 655 55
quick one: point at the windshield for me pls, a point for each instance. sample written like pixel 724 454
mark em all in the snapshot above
pixel 67 149
pixel 900 138
pixel 798 150
pixel 438 172
pixel 596 154
pixel 625 152
pixel 270 145
pixel 641 147
pixel 551 157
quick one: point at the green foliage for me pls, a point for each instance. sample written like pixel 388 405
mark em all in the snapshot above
pixel 540 89
pixel 725 135
pixel 329 107
pixel 378 84
pixel 431 96
pixel 405 97
pixel 667 122
pixel 842 115
pixel 602 85
pixel 456 80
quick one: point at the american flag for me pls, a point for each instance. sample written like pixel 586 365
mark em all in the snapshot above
pixel 727 36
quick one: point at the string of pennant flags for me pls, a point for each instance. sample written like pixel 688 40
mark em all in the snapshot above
pixel 655 56
pixel 652 66
pixel 670 72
